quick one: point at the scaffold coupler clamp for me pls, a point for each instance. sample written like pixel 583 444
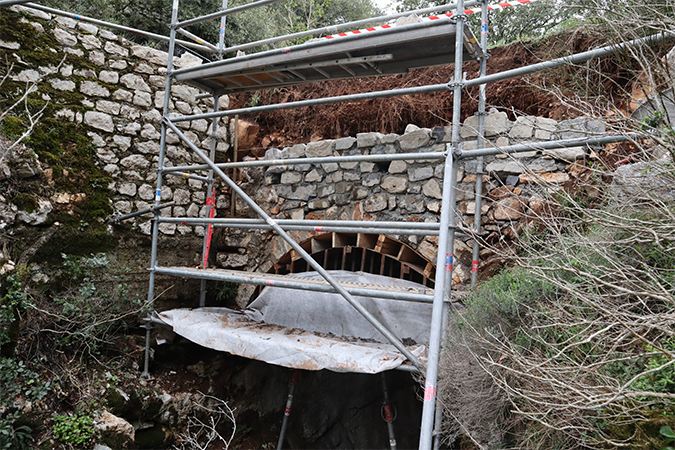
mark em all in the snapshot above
pixel 454 83
pixel 456 17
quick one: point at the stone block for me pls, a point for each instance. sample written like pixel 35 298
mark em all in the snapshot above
pixel 291 178
pixel 544 178
pixel 319 204
pixel 108 107
pixel 92 88
pixel 495 123
pixel 330 167
pixel 297 151
pixel 117 50
pixel 420 173
pixel 566 154
pixel 99 120
pixel 325 191
pixel 313 176
pixel 135 82
pixel 344 143
pixel 542 165
pixel 319 149
pixel 510 208
pixel 503 167
pixel 64 37
pixel 415 139
pixel 89 42
pixel 394 185
pixel 62 85
pixel 368 139
pixel 397 167
pixel 143 99
pixel 135 162
pixel 432 189
pixel 375 203
pixel 366 167
pixel 523 128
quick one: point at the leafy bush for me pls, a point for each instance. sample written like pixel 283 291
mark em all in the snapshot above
pixel 77 430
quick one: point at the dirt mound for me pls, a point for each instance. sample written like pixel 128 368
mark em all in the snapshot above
pixel 524 95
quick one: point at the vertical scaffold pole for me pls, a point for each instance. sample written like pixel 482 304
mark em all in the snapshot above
pixel 210 205
pixel 445 244
pixel 221 34
pixel 481 143
pixel 158 190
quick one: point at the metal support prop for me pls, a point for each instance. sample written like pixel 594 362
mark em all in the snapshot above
pixel 158 191
pixel 445 243
pixel 210 206
pixel 388 413
pixel 115 26
pixel 295 246
pixel 295 377
pixel 481 143
pixel 538 67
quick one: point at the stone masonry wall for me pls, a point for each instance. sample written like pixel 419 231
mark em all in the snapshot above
pixel 122 108
pixel 514 186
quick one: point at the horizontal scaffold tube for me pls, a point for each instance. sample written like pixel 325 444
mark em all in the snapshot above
pixel 226 12
pixel 552 64
pixel 313 223
pixel 326 229
pixel 347 26
pixel 242 277
pixel 548 145
pixel 333 159
pixel 115 26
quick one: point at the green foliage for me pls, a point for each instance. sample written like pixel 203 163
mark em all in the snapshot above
pixel 15 437
pixel 499 301
pixel 227 291
pixel 11 304
pixel 669 437
pixel 92 307
pixel 77 430
pixel 661 375
pixel 18 385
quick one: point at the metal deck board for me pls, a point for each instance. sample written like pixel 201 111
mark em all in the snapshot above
pixel 392 52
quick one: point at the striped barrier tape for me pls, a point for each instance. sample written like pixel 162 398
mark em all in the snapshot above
pixel 492 7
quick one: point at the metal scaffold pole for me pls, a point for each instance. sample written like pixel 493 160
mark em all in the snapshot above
pixel 445 244
pixel 481 143
pixel 158 190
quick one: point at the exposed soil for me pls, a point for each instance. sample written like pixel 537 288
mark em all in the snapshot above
pixel 531 95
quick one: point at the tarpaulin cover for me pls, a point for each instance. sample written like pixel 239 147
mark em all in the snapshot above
pixel 310 330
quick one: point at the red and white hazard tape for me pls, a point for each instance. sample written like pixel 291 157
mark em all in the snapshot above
pixel 492 7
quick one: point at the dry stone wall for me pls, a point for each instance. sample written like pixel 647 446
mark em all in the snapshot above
pixel 122 108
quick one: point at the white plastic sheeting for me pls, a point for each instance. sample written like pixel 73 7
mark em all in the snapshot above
pixel 331 313
pixel 311 330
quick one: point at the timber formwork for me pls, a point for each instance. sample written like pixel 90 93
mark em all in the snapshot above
pixel 343 57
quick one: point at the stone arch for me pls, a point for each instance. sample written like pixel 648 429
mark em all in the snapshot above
pixel 372 253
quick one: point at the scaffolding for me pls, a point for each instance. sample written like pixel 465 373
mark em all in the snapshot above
pixel 345 56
